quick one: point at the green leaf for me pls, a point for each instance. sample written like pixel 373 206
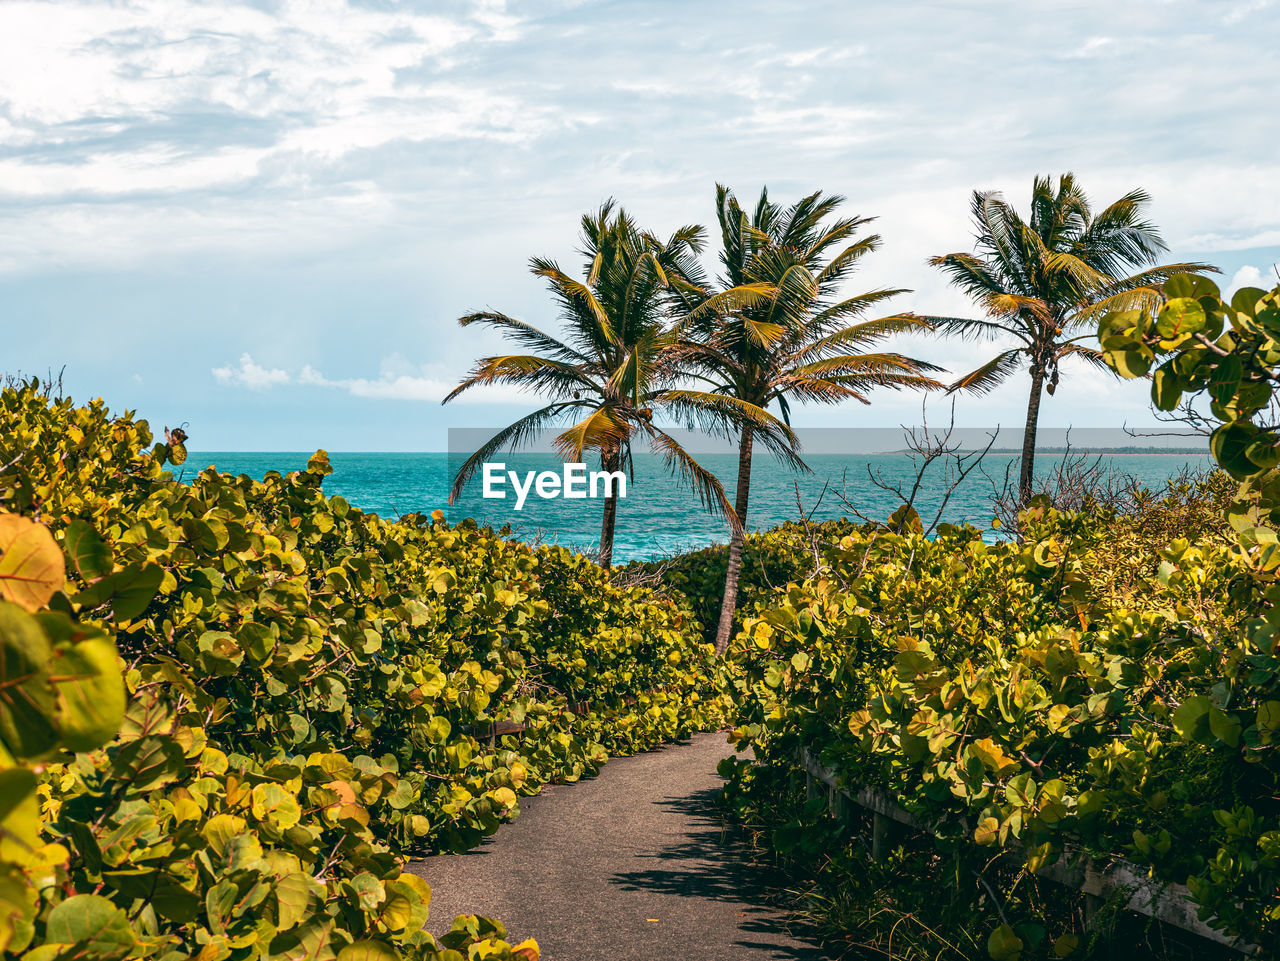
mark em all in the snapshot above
pixel 272 803
pixel 1129 363
pixel 90 691
pixel 1190 285
pixel 1191 719
pixel 27 705
pixel 19 814
pixel 318 463
pixel 368 890
pixel 134 590
pixel 1229 445
pixel 93 924
pixel 1245 300
pixel 293 896
pixel 1224 379
pixel 258 641
pixel 148 762
pixel 1004 944
pixel 1182 315
pixel 90 555
pixel 987 832
pixel 1225 727
pixel 1269 715
pixel 368 951
pixel 1166 387
pixel 128 590
pixel 905 520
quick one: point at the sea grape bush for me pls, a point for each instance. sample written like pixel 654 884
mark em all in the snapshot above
pixel 1228 352
pixel 999 694
pixel 770 560
pixel 300 700
pixel 1104 682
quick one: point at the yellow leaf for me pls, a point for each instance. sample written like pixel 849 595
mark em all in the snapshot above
pixel 989 753
pixel 32 567
pixel 505 796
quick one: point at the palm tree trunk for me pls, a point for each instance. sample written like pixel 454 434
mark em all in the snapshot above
pixel 1026 473
pixel 609 463
pixel 736 541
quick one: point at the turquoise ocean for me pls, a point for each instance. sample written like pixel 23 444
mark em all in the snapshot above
pixel 661 516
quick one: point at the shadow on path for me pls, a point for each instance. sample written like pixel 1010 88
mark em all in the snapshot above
pixel 714 862
pixel 633 865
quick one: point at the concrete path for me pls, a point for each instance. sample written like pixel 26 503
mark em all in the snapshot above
pixel 586 866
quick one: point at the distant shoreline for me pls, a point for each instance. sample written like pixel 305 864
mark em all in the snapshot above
pixel 1087 451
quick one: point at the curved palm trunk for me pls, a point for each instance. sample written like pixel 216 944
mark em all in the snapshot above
pixel 736 541
pixel 1026 473
pixel 609 461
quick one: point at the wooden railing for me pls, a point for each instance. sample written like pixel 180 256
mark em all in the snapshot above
pixel 1170 903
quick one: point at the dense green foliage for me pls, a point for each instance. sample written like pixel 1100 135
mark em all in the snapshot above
pixel 1014 695
pixel 770 560
pixel 306 694
pixel 1107 683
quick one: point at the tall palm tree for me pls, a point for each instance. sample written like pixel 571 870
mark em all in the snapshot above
pixel 781 332
pixel 604 372
pixel 1041 281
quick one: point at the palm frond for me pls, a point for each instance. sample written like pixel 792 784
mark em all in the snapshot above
pixel 968 327
pixel 1095 357
pixel 725 409
pixel 970 274
pixel 575 295
pixel 867 332
pixel 852 307
pixel 1018 305
pixel 707 486
pixel 761 333
pixel 601 430
pixel 991 374
pixel 522 333
pixel 725 302
pixel 868 364
pixel 796 291
pixel 539 374
pixel 514 436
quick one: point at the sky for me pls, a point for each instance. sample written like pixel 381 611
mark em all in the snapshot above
pixel 263 219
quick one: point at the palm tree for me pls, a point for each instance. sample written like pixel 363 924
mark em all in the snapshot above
pixel 1042 281
pixel 605 371
pixel 779 331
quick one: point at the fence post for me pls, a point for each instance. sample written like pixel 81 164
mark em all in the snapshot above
pixel 879 836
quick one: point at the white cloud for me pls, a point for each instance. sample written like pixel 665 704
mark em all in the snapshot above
pixel 250 374
pixel 1246 276
pixel 400 381
pixel 1093 47
pixel 202 96
pixel 397 380
pixel 1239 11
pixel 380 168
pixel 386 387
pixel 157 127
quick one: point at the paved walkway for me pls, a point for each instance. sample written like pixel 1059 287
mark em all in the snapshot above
pixel 586 866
